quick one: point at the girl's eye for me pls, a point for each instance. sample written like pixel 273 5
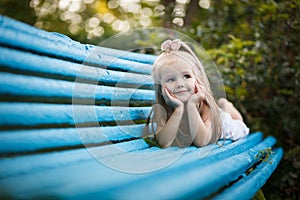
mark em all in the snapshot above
pixel 186 76
pixel 170 80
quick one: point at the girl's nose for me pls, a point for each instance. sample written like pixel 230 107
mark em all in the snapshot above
pixel 179 83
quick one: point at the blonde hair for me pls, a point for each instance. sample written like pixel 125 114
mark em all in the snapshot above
pixel 184 52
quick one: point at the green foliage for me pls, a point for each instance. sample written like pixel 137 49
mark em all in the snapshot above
pixel 264 155
pixel 261 71
pixel 151 142
pixel 19 10
pixel 286 178
pixel 259 195
pixel 238 61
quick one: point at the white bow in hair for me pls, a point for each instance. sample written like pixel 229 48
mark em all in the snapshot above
pixel 171 45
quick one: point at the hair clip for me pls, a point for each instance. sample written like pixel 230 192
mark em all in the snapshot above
pixel 171 45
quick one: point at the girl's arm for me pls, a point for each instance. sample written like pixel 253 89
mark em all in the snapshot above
pixel 167 133
pixel 199 129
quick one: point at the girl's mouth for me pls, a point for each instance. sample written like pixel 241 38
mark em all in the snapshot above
pixel 179 92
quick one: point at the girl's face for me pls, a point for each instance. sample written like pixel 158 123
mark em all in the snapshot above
pixel 178 77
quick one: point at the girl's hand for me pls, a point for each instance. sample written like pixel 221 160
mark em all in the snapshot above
pixel 170 99
pixel 198 96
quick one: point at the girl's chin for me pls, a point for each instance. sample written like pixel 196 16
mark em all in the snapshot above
pixel 183 99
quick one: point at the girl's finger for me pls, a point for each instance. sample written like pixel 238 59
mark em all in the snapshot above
pixel 201 94
pixel 199 88
pixel 167 92
pixel 168 95
pixel 172 99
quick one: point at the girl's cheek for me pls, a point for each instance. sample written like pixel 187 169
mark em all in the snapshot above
pixel 166 86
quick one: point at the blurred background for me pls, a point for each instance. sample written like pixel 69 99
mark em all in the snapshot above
pixel 255 44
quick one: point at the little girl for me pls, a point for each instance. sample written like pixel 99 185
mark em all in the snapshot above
pixel 186 112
